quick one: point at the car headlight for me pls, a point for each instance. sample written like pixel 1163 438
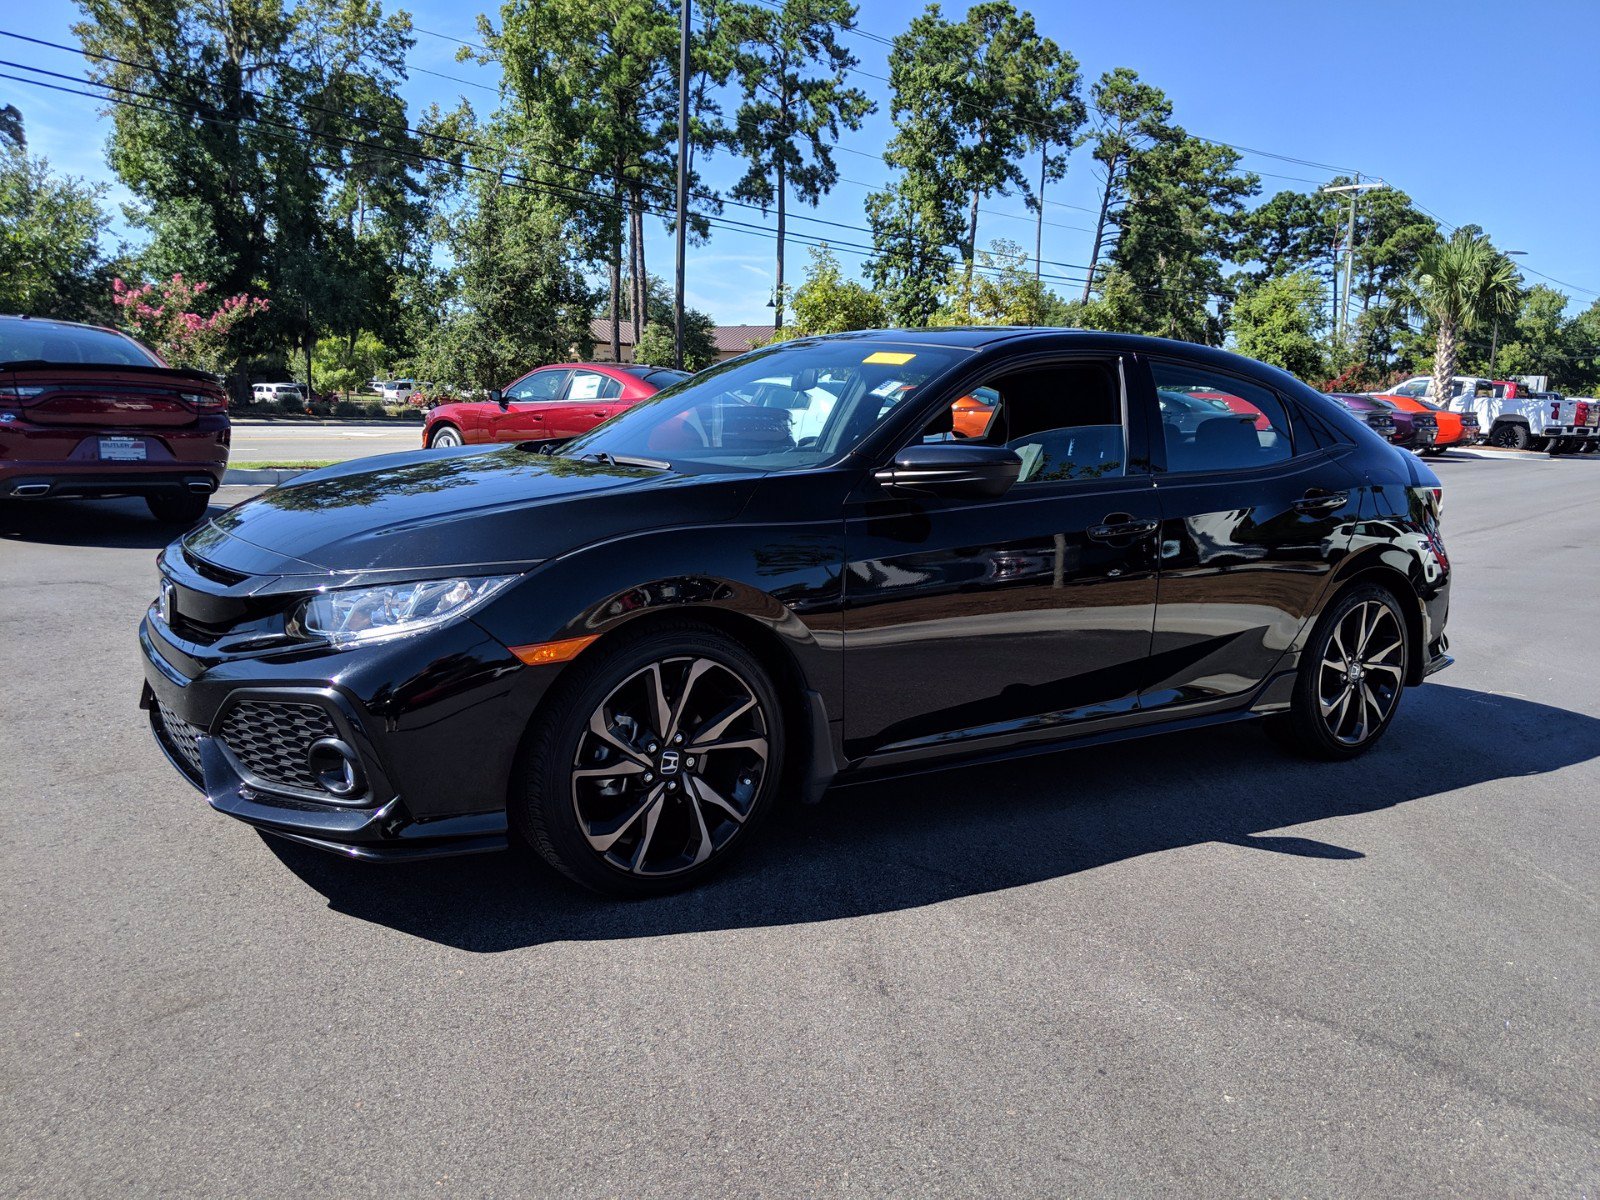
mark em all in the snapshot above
pixel 366 614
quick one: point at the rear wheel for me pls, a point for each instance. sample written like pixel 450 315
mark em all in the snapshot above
pixel 444 436
pixel 1509 436
pixel 653 764
pixel 1351 677
pixel 178 508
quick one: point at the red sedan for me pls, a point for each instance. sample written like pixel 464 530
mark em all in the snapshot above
pixel 558 401
pixel 88 411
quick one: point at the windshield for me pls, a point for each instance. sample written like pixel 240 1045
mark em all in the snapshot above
pixel 781 409
pixel 23 340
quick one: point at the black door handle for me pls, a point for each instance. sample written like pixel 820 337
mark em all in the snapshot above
pixel 1110 531
pixel 1317 500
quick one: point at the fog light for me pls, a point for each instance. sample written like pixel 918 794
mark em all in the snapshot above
pixel 335 766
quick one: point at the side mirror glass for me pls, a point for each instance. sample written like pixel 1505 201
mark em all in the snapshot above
pixel 496 396
pixel 952 469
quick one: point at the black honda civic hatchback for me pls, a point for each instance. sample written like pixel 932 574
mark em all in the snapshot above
pixel 833 557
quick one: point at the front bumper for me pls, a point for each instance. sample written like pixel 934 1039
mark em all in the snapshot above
pixel 434 722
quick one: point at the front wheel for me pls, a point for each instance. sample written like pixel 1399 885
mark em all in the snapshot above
pixel 178 508
pixel 445 437
pixel 1351 676
pixel 653 764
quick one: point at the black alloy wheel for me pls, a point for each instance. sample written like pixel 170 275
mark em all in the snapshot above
pixel 655 762
pixel 1510 437
pixel 1351 675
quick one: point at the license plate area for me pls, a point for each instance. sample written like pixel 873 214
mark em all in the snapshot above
pixel 123 449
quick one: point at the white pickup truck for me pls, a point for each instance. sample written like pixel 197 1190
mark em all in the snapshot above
pixel 1515 417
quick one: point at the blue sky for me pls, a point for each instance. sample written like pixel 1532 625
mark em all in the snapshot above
pixel 1484 112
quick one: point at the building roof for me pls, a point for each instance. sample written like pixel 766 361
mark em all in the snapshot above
pixel 739 338
pixel 734 339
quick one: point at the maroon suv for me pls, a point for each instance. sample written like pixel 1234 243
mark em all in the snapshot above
pixel 87 411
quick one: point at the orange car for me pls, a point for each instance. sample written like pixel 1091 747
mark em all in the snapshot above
pixel 972 413
pixel 1455 429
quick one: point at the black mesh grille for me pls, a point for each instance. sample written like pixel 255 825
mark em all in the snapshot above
pixel 181 738
pixel 271 739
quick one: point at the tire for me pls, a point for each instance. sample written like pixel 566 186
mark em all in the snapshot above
pixel 1537 444
pixel 1560 446
pixel 670 817
pixel 1320 723
pixel 1510 436
pixel 444 437
pixel 177 508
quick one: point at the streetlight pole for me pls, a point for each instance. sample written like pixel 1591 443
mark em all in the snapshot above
pixel 1354 189
pixel 683 182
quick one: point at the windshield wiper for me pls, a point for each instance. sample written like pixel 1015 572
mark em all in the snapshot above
pixel 606 458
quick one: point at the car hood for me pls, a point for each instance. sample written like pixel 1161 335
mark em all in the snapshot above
pixel 397 514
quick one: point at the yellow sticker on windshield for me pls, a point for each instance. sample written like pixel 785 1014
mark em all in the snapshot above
pixel 892 358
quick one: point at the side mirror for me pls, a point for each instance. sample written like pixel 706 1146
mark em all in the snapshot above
pixel 952 469
pixel 496 396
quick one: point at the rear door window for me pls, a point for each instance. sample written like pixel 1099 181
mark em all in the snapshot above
pixel 1216 422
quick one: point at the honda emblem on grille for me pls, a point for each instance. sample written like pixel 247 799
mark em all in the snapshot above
pixel 169 601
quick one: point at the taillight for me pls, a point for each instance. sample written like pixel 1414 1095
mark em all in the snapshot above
pixel 1582 415
pixel 206 401
pixel 19 394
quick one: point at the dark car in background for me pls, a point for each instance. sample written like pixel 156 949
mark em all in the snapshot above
pixel 558 401
pixel 626 649
pixel 89 411
pixel 1400 427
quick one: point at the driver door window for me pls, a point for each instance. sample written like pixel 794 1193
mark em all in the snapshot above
pixel 1065 421
pixel 540 386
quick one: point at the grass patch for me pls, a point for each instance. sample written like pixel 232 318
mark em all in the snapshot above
pixel 278 464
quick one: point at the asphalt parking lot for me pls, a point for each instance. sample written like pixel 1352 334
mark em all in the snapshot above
pixel 1180 966
pixel 285 442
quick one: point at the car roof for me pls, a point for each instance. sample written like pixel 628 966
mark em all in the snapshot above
pixel 59 323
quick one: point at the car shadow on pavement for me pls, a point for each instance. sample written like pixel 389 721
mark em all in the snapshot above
pixel 903 844
pixel 116 524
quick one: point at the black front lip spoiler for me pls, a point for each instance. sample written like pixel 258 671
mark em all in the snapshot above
pixel 387 833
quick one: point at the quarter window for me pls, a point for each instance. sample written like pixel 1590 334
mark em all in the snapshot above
pixel 1215 422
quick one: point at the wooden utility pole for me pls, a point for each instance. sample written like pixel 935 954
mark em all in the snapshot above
pixel 683 182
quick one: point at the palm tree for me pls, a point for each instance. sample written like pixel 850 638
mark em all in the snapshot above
pixel 1464 283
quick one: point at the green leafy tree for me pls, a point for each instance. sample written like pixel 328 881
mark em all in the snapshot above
pixel 977 95
pixel 51 263
pixel 267 149
pixel 795 101
pixel 827 302
pixel 699 341
pixel 1001 291
pixel 1583 375
pixel 1463 284
pixel 591 89
pixel 1277 322
pixel 1128 116
pixel 514 296
pixel 1180 225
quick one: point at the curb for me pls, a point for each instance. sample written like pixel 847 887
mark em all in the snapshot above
pixel 258 475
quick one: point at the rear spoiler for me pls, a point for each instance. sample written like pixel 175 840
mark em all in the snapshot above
pixel 39 364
